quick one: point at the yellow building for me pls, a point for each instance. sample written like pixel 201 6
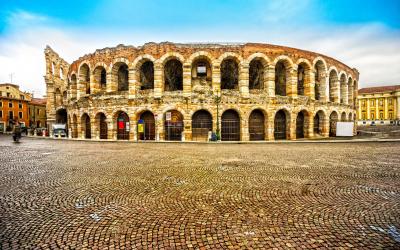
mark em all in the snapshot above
pixel 379 105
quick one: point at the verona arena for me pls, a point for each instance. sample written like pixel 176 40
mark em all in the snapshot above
pixel 183 92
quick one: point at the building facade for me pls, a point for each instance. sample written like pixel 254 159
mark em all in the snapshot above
pixel 170 91
pixel 37 113
pixel 13 106
pixel 379 105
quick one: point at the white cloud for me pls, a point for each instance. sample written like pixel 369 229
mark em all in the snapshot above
pixel 372 49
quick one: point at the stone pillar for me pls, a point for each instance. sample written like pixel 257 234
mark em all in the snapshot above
pixel 359 110
pixel 386 115
pixel 79 132
pixel 324 89
pixel 344 93
pixel 158 80
pixel 110 130
pixel 336 91
pixel 187 79
pixel 270 128
pixel 132 83
pixel 244 80
pixel 133 129
pixel 309 84
pixel 368 108
pixel 309 126
pixel 270 80
pixel 350 95
pixel 325 126
pixel 377 109
pixel 93 129
pixel 291 124
pixel 111 83
pixel 244 130
pixel 187 124
pixel 92 84
pixel 216 78
pixel 291 82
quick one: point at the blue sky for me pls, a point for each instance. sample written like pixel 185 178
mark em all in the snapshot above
pixel 362 34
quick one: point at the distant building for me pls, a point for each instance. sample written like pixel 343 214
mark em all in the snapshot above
pixel 379 105
pixel 13 106
pixel 37 113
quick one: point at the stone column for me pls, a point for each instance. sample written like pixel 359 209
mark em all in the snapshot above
pixel 133 129
pixel 385 114
pixel 132 83
pixel 377 109
pixel 110 130
pixel 187 125
pixel 359 109
pixel 216 77
pixel 92 84
pixel 244 80
pixel 324 89
pixel 158 78
pixel 291 84
pixel 350 95
pixel 325 126
pixel 270 128
pixel 344 94
pixel 368 109
pixel 111 83
pixel 270 81
pixel 336 91
pixel 244 130
pixel 79 132
pixel 187 79
pixel 309 84
pixel 93 129
pixel 291 123
pixel 398 107
pixel 309 126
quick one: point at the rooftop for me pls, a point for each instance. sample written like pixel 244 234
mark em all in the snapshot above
pixel 39 101
pixel 379 89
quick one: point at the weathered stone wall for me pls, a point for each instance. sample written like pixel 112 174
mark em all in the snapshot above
pixel 200 94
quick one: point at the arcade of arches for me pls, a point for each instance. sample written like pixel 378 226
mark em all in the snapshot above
pixel 186 92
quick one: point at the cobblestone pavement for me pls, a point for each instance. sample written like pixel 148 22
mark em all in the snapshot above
pixel 74 194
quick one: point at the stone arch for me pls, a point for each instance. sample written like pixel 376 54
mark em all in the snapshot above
pixel 302 124
pixel 174 127
pixel 173 73
pixel 333 82
pixel 74 126
pixel 84 78
pixel 343 87
pixel 258 67
pixel 122 121
pixel 86 128
pixel 144 71
pixel 257 124
pixel 170 55
pixel 283 67
pixel 148 131
pixel 120 75
pixel 303 77
pixel 73 85
pixel 232 55
pixel 101 125
pixel 320 74
pixel 201 66
pixel 230 71
pixel 230 125
pixel 343 117
pixel 350 90
pixel 202 124
pixel 100 76
pixel 333 119
pixel 319 121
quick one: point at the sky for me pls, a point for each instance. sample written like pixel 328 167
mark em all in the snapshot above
pixel 362 34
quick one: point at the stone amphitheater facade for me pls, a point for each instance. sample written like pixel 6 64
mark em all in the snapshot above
pixel 171 91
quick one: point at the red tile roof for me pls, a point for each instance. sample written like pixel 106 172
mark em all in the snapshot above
pixel 378 89
pixel 38 101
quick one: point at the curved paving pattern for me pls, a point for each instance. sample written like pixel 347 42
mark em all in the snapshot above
pixel 72 194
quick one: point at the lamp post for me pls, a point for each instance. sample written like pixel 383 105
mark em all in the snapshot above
pixel 217 101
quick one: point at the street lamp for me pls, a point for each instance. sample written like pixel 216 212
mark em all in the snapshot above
pixel 217 101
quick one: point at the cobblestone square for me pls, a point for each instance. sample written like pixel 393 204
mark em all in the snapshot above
pixel 75 194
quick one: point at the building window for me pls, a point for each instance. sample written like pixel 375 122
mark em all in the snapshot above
pixel 8 94
pixel 390 101
pixel 20 115
pixel 390 115
pixel 10 115
pixel 381 115
pixel 1 104
pixel 380 102
pixel 1 113
pixel 363 103
pixel 364 115
pixel 373 116
pixel 22 97
pixel 38 111
pixel 20 105
pixel 372 102
pixel 10 104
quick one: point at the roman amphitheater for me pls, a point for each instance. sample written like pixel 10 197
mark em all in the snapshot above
pixel 183 92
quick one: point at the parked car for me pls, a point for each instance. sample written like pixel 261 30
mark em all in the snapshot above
pixel 59 130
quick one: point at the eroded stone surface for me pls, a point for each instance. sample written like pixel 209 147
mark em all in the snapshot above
pixel 71 194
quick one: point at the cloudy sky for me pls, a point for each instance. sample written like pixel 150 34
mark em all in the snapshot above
pixel 362 34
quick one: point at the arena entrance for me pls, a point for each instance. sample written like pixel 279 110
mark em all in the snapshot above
pixel 86 129
pixel 149 131
pixel 318 123
pixel 173 125
pixel 61 116
pixel 256 125
pixel 300 126
pixel 122 126
pixel 280 125
pixel 102 123
pixel 333 118
pixel 230 126
pixel 201 125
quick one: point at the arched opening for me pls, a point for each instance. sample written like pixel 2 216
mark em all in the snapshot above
pixel 256 74
pixel 101 121
pixel 300 125
pixel 318 123
pixel 319 87
pixel 257 125
pixel 74 127
pixel 122 126
pixel 58 98
pixel 343 117
pixel 61 116
pixel 147 75
pixel 73 86
pixel 100 77
pixel 122 76
pixel 173 75
pixel 173 125
pixel 229 74
pixel 85 125
pixel 350 91
pixel 201 125
pixel 84 77
pixel 148 132
pixel 201 68
pixel 343 88
pixel 333 78
pixel 280 125
pixel 230 126
pixel 350 117
pixel 282 73
pixel 333 118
